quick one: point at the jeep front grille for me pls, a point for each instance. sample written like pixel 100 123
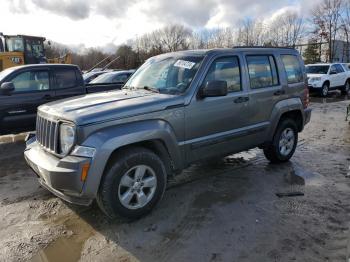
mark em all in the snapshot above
pixel 47 133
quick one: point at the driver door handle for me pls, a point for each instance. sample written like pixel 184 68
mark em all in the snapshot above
pixel 47 97
pixel 241 99
pixel 279 92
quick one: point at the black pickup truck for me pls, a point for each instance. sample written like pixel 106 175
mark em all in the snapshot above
pixel 24 88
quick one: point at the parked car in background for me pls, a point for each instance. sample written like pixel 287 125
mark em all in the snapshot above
pixel 116 78
pixel 24 88
pixel 121 147
pixel 325 77
pixel 88 77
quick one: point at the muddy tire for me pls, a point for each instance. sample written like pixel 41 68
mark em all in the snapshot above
pixel 284 142
pixel 133 184
pixel 346 89
pixel 324 90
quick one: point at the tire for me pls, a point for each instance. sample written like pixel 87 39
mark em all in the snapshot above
pixel 274 152
pixel 324 90
pixel 119 182
pixel 346 89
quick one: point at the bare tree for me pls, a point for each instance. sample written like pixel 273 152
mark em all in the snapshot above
pixel 345 29
pixel 212 38
pixel 286 29
pixel 173 37
pixel 251 33
pixel 326 17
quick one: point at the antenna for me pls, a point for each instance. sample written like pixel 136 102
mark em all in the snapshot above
pixel 106 66
pixel 92 68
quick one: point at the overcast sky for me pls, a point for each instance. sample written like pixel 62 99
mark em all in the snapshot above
pixel 105 23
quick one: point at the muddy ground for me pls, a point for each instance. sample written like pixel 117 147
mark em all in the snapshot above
pixel 223 212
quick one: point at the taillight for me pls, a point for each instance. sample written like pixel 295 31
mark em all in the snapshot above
pixel 306 99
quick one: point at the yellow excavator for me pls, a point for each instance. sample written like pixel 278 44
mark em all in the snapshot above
pixel 18 50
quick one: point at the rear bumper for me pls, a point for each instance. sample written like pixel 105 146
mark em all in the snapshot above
pixel 60 176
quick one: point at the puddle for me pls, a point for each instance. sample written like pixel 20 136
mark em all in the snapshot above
pixel 67 248
pixel 331 98
pixel 225 189
pixel 209 198
pixel 299 176
pixel 245 155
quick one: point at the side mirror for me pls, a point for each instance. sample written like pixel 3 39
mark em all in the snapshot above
pixel 214 88
pixel 7 88
pixel 333 72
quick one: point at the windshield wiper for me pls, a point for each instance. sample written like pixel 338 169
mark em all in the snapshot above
pixel 152 89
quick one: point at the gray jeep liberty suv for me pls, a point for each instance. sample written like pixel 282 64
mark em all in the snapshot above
pixel 120 147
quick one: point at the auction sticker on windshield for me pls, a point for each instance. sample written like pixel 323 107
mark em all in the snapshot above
pixel 184 64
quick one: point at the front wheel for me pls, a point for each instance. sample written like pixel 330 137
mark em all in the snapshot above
pixel 284 142
pixel 346 88
pixel 325 89
pixel 133 184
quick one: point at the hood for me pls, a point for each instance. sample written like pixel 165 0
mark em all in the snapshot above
pixel 106 106
pixel 315 75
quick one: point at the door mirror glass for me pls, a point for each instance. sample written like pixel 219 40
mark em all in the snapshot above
pixel 7 88
pixel 214 88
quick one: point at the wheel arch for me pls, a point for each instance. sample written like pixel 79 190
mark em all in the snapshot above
pixel 327 82
pixel 289 108
pixel 155 135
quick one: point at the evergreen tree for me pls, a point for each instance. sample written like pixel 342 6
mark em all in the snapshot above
pixel 311 54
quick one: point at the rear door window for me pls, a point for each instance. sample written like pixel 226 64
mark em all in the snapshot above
pixel 292 68
pixel 65 78
pixel 262 71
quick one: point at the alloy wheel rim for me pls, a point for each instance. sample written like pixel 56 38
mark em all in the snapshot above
pixel 325 90
pixel 137 187
pixel 286 142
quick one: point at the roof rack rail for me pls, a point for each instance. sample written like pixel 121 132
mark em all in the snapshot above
pixel 258 46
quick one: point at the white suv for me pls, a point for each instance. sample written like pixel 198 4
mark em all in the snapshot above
pixel 325 77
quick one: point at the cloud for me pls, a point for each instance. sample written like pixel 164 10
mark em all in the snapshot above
pixel 212 13
pixel 113 8
pixel 107 22
pixel 77 9
pixel 191 12
pixel 18 6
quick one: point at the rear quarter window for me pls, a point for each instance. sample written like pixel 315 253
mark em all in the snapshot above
pixel 292 68
pixel 65 78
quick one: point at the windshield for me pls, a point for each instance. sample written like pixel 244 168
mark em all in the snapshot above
pixel 104 79
pixel 92 74
pixel 6 72
pixel 14 44
pixel 321 69
pixel 166 74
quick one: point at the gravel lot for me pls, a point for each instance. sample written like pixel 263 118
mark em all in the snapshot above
pixel 227 211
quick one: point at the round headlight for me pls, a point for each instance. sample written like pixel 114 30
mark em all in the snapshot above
pixel 67 137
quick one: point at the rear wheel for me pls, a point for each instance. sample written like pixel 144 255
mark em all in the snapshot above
pixel 284 142
pixel 325 89
pixel 346 89
pixel 133 184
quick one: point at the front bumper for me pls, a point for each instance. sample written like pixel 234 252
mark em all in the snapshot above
pixel 307 115
pixel 315 86
pixel 61 176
